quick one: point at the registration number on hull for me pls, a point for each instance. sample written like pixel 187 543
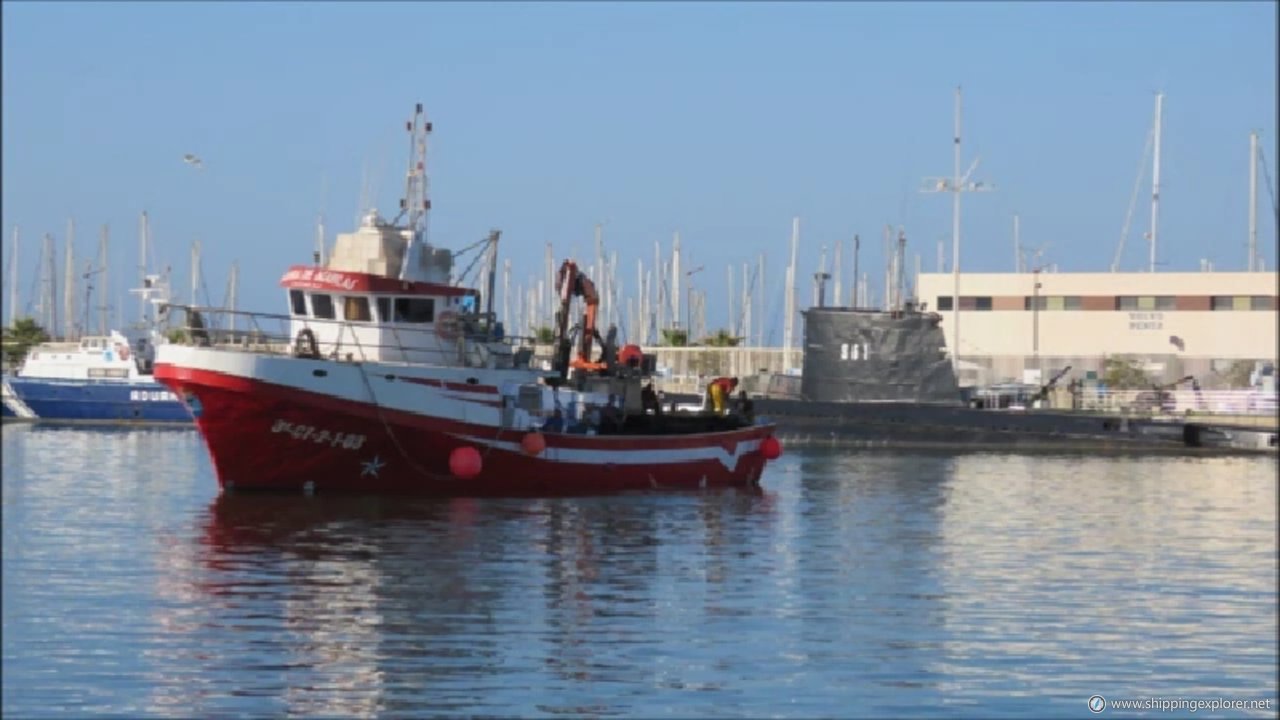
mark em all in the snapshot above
pixel 319 436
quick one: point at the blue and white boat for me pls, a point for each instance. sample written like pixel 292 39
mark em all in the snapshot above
pixel 98 379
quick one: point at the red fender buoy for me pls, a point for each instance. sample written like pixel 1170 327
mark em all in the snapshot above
pixel 770 448
pixel 465 462
pixel 533 443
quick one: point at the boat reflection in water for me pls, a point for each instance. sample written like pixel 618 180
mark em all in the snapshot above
pixel 362 606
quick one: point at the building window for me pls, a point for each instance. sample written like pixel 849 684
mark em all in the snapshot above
pixel 298 302
pixel 1165 302
pixel 356 308
pixel 1072 302
pixel 1243 302
pixel 971 302
pixel 944 303
pixel 322 306
pixel 1146 302
pixel 415 310
pixel 1126 302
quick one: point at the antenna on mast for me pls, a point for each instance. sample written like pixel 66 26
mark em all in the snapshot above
pixel 955 185
pixel 415 203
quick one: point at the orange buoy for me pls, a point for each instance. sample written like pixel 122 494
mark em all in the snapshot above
pixel 464 462
pixel 533 443
pixel 770 448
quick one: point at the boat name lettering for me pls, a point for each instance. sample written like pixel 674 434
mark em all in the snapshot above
pixel 327 277
pixel 152 396
pixel 346 441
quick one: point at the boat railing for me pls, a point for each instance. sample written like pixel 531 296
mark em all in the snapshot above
pixel 472 342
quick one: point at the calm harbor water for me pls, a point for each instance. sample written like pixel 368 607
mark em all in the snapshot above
pixel 854 584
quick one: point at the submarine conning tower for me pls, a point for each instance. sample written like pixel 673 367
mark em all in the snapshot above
pixel 854 355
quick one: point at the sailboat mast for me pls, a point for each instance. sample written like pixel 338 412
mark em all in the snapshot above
pixel 1253 201
pixel 69 284
pixel 13 280
pixel 788 327
pixel 104 295
pixel 1155 181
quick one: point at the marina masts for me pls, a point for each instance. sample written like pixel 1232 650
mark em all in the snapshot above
pixel 1155 179
pixel 13 280
pixel 856 300
pixel 1253 201
pixel 69 284
pixel 788 325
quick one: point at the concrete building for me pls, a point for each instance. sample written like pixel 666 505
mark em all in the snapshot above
pixel 1176 323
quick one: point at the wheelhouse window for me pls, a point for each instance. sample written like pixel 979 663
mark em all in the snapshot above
pixel 322 306
pixel 356 308
pixel 384 309
pixel 298 303
pixel 415 310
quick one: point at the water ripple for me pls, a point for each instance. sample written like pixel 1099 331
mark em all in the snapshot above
pixel 869 584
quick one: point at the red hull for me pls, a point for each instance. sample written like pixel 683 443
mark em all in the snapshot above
pixel 266 436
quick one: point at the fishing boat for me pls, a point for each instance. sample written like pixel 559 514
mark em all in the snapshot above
pixel 387 376
pixel 97 379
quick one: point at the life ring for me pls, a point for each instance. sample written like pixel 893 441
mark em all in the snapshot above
pixel 446 325
pixel 304 345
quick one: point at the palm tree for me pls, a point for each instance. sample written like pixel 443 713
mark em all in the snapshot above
pixel 544 335
pixel 722 338
pixel 20 337
pixel 672 337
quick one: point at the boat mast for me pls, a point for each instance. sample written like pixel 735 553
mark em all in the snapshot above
pixel 675 287
pixel 1017 246
pixel 195 272
pixel 788 326
pixel 143 232
pixel 415 203
pixel 104 295
pixel 857 295
pixel 955 185
pixel 492 272
pixel 1253 201
pixel 13 280
pixel 835 271
pixel 69 284
pixel 233 282
pixel 1155 180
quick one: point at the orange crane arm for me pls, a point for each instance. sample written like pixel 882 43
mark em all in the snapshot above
pixel 573 281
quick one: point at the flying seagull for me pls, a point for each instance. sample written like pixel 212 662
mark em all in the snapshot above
pixel 193 160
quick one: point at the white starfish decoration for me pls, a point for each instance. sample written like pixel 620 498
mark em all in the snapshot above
pixel 372 467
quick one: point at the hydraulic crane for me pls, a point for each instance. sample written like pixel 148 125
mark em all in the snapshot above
pixel 571 281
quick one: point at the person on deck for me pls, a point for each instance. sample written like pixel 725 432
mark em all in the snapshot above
pixel 611 417
pixel 719 391
pixel 744 407
pixel 555 423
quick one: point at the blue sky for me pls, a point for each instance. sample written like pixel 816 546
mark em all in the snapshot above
pixel 720 120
